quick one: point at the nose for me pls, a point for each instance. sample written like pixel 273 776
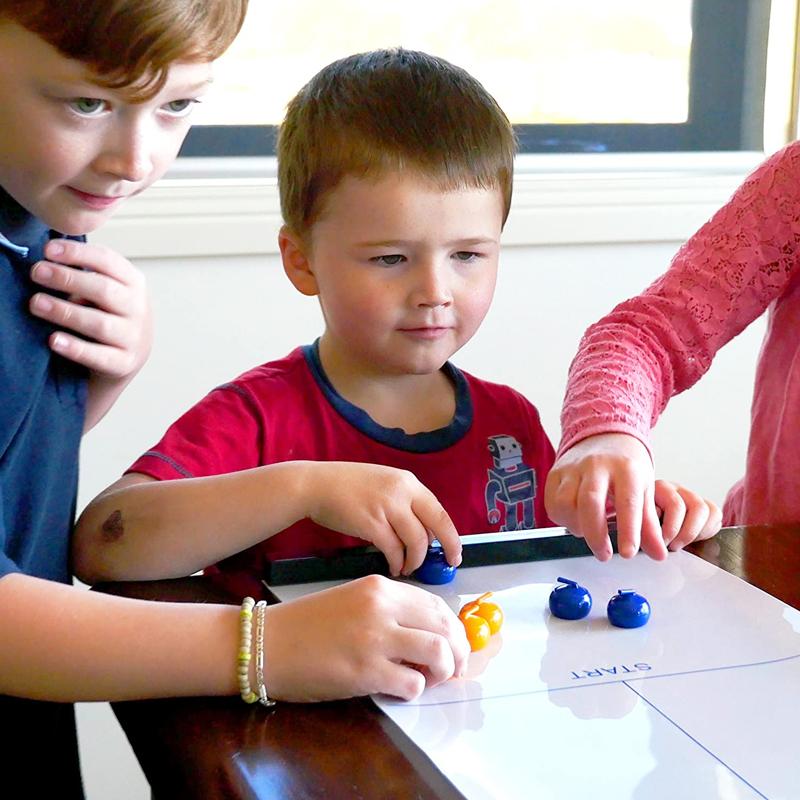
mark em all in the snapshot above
pixel 432 287
pixel 126 154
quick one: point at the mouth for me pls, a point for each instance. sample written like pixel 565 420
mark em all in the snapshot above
pixel 427 331
pixel 94 201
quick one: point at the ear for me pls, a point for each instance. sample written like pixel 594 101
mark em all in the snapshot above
pixel 296 264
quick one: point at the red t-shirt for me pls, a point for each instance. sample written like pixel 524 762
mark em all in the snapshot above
pixel 487 468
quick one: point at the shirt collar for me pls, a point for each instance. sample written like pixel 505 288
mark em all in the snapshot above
pixel 424 442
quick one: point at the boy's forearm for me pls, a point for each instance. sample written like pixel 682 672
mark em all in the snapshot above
pixel 168 529
pixel 67 644
pixel 103 392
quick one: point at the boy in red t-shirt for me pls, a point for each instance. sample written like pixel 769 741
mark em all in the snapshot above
pixel 395 173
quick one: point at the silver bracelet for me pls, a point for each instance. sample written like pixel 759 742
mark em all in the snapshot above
pixel 261 609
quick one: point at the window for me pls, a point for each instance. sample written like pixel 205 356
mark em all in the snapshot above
pixel 573 76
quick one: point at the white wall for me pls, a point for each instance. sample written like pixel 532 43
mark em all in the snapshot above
pixel 573 250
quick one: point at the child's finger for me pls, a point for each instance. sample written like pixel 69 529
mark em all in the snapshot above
pixel 561 499
pixel 400 680
pixel 713 523
pixel 424 611
pixel 387 541
pixel 652 540
pixel 630 494
pixel 591 514
pixel 697 513
pixel 431 655
pixel 671 503
pixel 434 518
pixel 414 538
pixel 92 257
pixel 93 323
pixel 111 361
pixel 98 289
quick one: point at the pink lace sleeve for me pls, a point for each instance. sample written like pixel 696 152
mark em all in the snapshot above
pixel 659 343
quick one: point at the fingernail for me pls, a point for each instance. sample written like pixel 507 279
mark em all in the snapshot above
pixel 59 342
pixel 41 302
pixel 55 248
pixel 42 272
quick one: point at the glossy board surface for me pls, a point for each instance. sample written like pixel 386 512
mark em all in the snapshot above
pixel 626 704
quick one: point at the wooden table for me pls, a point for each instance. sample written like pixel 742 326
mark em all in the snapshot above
pixel 217 748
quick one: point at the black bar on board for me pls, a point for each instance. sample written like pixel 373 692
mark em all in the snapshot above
pixel 359 561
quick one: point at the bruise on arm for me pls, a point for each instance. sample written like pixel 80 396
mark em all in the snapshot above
pixel 113 529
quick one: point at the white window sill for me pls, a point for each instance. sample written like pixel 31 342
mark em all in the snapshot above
pixel 526 164
pixel 223 207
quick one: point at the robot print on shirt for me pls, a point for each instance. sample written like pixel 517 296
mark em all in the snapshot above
pixel 511 485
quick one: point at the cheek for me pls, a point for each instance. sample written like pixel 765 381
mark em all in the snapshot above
pixel 28 156
pixel 351 296
pixel 478 299
pixel 166 151
pixel 359 311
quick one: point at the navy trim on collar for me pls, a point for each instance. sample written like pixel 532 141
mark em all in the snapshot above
pixel 424 442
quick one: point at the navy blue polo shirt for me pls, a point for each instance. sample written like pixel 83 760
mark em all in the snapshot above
pixel 43 399
pixel 42 403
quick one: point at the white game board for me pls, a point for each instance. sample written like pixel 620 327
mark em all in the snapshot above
pixel 702 702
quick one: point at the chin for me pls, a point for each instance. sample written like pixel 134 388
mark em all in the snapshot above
pixel 425 368
pixel 75 224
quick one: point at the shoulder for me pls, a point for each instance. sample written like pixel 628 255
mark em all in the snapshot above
pixel 496 391
pixel 501 399
pixel 254 393
pixel 280 375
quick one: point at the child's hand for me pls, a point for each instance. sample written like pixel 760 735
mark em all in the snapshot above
pixel 105 321
pixel 686 515
pixel 372 635
pixel 578 487
pixel 386 506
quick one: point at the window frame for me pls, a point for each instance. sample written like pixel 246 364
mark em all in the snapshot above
pixel 727 75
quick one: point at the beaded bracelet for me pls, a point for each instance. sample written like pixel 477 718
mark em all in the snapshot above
pixel 261 609
pixel 245 647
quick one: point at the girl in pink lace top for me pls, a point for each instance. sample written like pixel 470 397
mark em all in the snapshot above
pixel 653 346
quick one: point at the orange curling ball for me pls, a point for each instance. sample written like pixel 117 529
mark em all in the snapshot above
pixel 493 614
pixel 481 619
pixel 477 630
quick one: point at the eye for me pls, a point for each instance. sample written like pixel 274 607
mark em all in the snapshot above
pixel 466 256
pixel 180 108
pixel 87 106
pixel 389 260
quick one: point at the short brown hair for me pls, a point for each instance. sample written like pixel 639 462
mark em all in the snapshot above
pixel 390 110
pixel 130 44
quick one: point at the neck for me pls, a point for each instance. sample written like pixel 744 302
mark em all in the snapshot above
pixel 413 403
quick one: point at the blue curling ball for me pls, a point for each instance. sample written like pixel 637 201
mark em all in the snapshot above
pixel 435 569
pixel 627 609
pixel 570 601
